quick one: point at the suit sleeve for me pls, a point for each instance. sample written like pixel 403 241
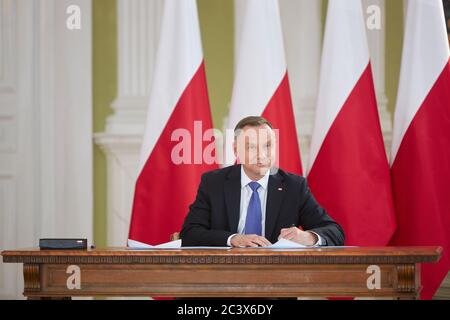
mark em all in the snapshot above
pixel 196 229
pixel 314 218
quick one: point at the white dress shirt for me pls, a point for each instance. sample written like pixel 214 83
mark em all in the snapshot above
pixel 246 194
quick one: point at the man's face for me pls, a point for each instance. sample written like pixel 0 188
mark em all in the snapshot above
pixel 255 148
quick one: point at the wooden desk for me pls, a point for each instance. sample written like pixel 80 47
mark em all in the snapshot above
pixel 225 273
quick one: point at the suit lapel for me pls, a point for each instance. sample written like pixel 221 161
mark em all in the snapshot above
pixel 275 193
pixel 232 191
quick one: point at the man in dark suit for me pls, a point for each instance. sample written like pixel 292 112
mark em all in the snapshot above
pixel 254 204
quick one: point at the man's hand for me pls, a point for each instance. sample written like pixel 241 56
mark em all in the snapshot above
pixel 249 240
pixel 305 238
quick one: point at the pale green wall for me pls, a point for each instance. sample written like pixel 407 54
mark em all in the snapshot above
pixel 105 88
pixel 217 31
pixel 394 43
pixel 324 13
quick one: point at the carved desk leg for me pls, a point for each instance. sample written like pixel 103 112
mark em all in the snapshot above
pixel 32 283
pixel 408 277
pixel 32 279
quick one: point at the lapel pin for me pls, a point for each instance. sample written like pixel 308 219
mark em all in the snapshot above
pixel 280 189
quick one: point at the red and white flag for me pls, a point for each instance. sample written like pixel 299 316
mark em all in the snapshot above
pixel 166 186
pixel 349 170
pixel 261 84
pixel 420 154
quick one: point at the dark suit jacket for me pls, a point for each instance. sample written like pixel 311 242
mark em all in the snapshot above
pixel 214 215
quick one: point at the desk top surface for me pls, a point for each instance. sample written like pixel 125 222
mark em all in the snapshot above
pixel 320 255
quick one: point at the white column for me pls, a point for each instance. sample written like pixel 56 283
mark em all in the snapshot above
pixel 377 45
pixel 9 274
pixel 302 29
pixel 138 30
pixel 65 111
pixel 45 127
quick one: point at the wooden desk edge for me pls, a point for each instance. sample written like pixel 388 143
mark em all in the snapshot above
pixel 324 255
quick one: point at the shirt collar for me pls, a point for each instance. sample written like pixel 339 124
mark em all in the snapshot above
pixel 245 180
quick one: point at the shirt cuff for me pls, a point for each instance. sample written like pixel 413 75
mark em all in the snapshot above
pixel 229 239
pixel 319 240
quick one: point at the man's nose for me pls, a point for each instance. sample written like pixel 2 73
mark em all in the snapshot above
pixel 262 153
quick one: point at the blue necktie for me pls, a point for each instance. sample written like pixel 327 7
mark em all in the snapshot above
pixel 254 213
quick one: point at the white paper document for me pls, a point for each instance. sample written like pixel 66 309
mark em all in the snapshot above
pixel 176 244
pixel 285 244
pixel 133 244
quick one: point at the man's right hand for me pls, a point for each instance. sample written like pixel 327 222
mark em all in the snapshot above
pixel 249 240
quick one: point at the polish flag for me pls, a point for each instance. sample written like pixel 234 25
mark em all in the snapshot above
pixel 349 169
pixel 178 115
pixel 261 84
pixel 420 154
